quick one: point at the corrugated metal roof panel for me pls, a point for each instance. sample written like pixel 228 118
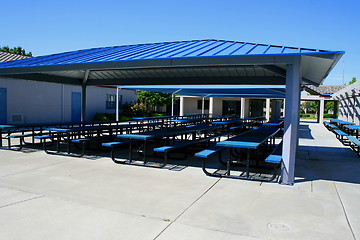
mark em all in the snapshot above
pixel 180 49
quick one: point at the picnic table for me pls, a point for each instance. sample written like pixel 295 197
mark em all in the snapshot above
pixel 250 140
pixel 35 129
pixel 170 134
pixel 352 130
pixel 259 118
pixel 274 123
pixel 340 123
pixel 152 119
pixel 186 121
pixel 67 135
pixel 194 115
pixel 230 123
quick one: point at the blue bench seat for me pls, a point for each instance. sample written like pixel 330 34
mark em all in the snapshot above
pixel 185 145
pixel 330 126
pixel 88 139
pixel 354 144
pixel 276 155
pixel 207 152
pixel 22 141
pixel 113 144
pixel 188 143
pixel 342 136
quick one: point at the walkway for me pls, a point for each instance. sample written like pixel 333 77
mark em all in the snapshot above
pixel 56 197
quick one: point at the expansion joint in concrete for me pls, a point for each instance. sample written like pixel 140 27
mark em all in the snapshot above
pixel 346 216
pixel 207 190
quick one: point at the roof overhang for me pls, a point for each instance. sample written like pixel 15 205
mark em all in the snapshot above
pixel 192 62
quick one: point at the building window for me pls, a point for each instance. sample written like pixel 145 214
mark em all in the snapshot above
pixel 206 104
pixel 111 101
pixel 231 107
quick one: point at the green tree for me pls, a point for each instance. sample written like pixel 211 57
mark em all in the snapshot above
pixel 329 105
pixel 314 106
pixel 154 99
pixel 353 80
pixel 16 50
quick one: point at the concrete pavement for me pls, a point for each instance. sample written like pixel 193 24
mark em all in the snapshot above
pixel 55 197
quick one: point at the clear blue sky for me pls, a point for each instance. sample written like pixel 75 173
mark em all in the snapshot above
pixel 45 27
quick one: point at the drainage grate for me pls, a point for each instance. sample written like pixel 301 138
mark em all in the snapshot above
pixel 279 227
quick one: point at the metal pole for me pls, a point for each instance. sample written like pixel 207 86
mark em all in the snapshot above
pixel 172 101
pixel 203 103
pixel 203 106
pixel 268 109
pixel 291 123
pixel 83 95
pixel 172 104
pixel 181 106
pixel 83 103
pixel 211 106
pixel 117 103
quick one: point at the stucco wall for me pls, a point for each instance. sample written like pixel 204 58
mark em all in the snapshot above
pixel 190 105
pixel 41 102
pixel 349 109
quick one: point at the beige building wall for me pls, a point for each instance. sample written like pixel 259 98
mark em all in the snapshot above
pixel 43 102
pixel 191 103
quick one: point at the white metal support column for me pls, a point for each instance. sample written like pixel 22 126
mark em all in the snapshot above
pixel 242 107
pixel 321 111
pixel 117 103
pixel 284 108
pixel 275 110
pixel 211 106
pixel 172 101
pixel 181 106
pixel 290 139
pixel 83 95
pixel 203 104
pixel 267 112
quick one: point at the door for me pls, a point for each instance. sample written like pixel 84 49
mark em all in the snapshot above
pixel 231 108
pixel 3 106
pixel 75 106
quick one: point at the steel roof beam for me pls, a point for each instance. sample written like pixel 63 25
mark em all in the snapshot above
pixel 273 80
pixel 45 78
pixel 274 69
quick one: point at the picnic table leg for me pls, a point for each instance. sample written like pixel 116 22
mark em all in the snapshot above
pixel 1 138
pixel 33 135
pixel 227 162
pixel 130 150
pixel 9 142
pixel 58 143
pixel 144 152
pixel 248 164
pixel 68 142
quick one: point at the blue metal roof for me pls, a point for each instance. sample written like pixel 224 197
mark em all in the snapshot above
pixel 164 50
pixel 179 63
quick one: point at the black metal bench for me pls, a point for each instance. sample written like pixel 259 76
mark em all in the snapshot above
pixel 330 126
pixel 184 145
pixel 354 144
pixel 274 158
pixel 341 136
pixel 114 146
pixel 88 140
pixel 21 137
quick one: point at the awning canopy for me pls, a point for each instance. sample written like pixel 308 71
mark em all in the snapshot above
pixel 199 62
pixel 177 63
pixel 238 91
